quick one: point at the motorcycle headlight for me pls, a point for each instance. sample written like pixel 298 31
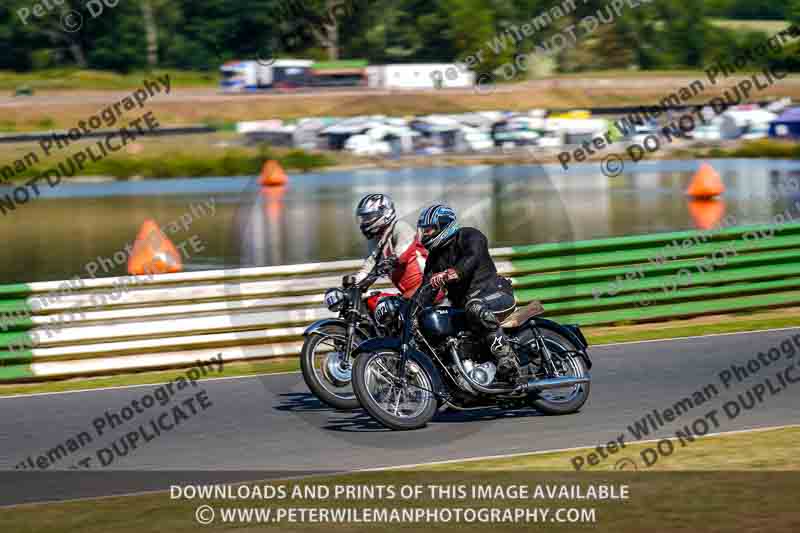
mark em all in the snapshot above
pixel 334 299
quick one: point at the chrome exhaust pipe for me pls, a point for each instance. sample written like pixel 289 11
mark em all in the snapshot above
pixel 555 383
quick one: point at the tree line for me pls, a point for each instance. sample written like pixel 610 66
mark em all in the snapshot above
pixel 126 35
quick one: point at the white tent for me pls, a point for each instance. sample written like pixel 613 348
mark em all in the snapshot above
pixel 738 122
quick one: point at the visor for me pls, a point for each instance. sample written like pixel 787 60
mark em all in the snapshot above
pixel 426 232
pixel 368 219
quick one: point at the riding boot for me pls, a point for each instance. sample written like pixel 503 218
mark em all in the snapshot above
pixel 507 361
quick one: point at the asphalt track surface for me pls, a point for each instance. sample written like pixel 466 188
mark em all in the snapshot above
pixel 270 426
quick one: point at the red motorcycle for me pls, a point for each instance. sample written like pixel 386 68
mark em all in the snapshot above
pixel 327 356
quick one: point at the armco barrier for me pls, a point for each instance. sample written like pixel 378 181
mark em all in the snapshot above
pixel 173 320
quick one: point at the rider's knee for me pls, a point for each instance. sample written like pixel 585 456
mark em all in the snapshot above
pixel 480 316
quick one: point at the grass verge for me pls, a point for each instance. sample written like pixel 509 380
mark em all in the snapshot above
pixel 99 80
pixel 783 318
pixel 765 148
pixel 202 155
pixel 773 449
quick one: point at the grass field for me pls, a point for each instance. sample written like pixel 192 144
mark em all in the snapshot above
pixel 97 80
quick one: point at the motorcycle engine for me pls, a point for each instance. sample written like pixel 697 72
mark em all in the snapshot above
pixel 474 360
pixel 483 374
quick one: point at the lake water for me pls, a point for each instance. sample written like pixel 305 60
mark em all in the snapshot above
pixel 74 225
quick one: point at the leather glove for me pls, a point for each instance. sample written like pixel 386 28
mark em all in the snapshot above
pixel 388 265
pixel 348 281
pixel 441 279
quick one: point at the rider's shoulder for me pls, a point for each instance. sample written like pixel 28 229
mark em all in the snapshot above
pixel 468 232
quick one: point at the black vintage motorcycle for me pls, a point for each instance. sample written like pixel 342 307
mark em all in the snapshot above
pixel 402 381
pixel 327 354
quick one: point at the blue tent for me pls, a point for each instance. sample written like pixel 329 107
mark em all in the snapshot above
pixel 786 126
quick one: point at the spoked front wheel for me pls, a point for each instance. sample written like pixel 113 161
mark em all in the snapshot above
pixel 326 368
pixel 405 405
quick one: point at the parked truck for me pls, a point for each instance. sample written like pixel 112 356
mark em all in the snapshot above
pixel 241 76
pixel 419 76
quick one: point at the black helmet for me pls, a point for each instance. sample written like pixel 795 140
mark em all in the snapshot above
pixel 375 213
pixel 436 226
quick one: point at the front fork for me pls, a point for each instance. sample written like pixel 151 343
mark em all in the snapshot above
pixel 401 372
pixel 349 347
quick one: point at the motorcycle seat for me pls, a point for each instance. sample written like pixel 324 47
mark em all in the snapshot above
pixel 519 316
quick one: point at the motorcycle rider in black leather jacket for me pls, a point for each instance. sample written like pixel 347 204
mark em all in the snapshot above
pixel 459 259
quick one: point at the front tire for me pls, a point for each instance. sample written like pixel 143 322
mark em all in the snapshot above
pixel 398 408
pixel 327 375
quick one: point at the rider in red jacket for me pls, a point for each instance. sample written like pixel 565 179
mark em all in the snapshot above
pixel 390 239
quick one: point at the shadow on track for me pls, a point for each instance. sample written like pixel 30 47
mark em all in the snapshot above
pixel 482 415
pixel 361 421
pixel 302 401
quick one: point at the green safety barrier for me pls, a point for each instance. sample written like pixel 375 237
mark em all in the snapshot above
pixel 598 282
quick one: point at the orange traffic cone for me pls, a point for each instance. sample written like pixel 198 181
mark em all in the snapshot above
pixel 706 214
pixel 272 175
pixel 706 183
pixel 153 252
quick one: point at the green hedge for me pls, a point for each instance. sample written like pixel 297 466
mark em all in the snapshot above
pixel 232 162
pixel 763 148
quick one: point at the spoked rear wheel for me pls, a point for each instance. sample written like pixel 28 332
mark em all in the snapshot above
pixel 401 406
pixel 326 370
pixel 564 400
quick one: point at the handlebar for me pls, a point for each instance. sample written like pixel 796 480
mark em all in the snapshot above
pixel 416 300
pixel 381 268
pixel 421 290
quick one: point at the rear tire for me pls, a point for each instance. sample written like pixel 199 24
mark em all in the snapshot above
pixel 570 399
pixel 328 392
pixel 377 395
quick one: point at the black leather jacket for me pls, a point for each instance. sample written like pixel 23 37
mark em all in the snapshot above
pixel 468 253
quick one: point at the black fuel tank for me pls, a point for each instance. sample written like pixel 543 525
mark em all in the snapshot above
pixel 440 322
